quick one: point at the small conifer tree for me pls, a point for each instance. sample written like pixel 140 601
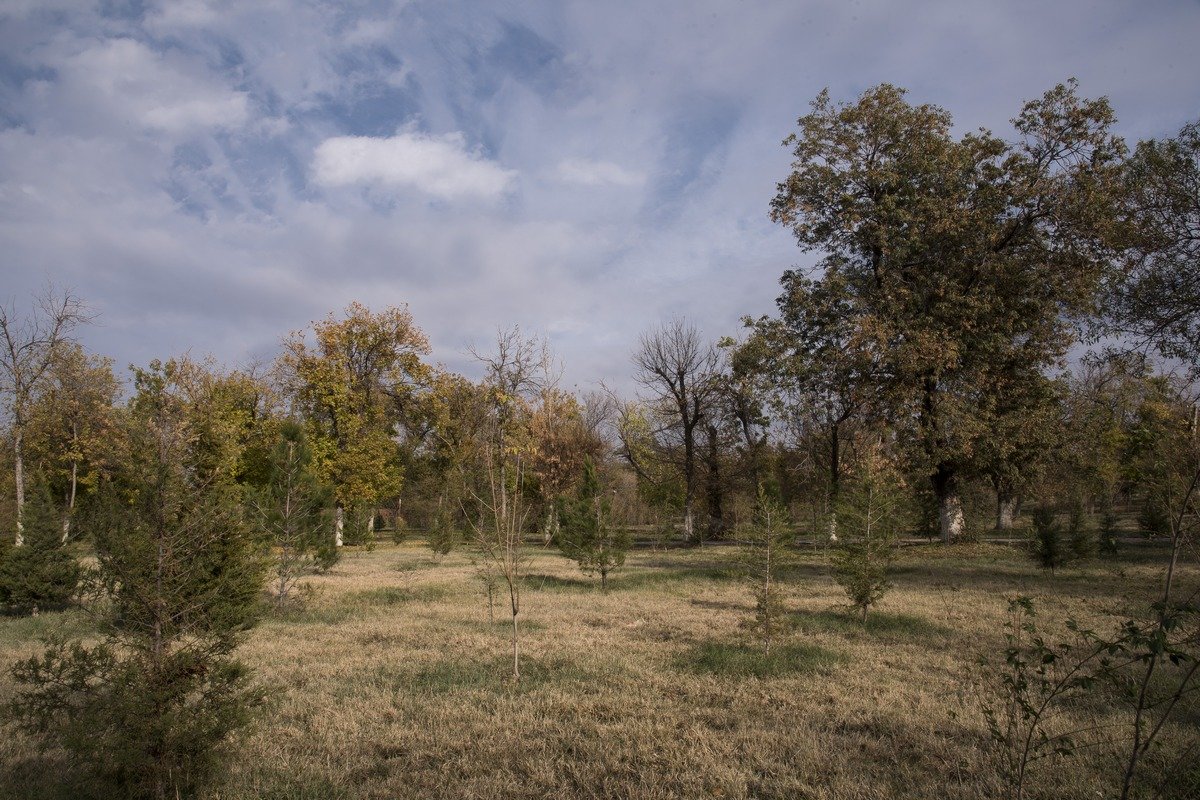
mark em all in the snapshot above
pixel 766 540
pixel 1107 543
pixel 1049 549
pixel 292 508
pixel 40 573
pixel 1081 539
pixel 871 513
pixel 148 708
pixel 587 535
pixel 444 535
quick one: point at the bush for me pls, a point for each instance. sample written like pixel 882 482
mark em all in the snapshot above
pixel 1049 550
pixel 1081 540
pixel 40 573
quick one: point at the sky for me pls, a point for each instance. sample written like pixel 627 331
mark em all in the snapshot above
pixel 212 175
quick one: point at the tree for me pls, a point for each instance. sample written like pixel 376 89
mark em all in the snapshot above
pixel 73 427
pixel 819 362
pixel 766 541
pixel 679 371
pixel 588 535
pixel 292 509
pixel 562 444
pixel 1049 548
pixel 348 386
pixel 872 513
pixel 1154 297
pixel 518 369
pixel 28 347
pixel 957 256
pixel 40 574
pixel 181 576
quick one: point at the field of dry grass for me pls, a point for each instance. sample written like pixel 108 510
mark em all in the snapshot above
pixel 392 683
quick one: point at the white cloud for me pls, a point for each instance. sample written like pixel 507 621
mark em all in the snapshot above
pixel 597 173
pixel 125 80
pixel 438 165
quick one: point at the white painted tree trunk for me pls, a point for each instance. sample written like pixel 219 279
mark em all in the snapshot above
pixel 1006 511
pixel 339 524
pixel 951 520
pixel 70 502
pixel 19 470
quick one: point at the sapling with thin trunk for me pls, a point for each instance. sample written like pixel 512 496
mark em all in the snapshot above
pixel 766 542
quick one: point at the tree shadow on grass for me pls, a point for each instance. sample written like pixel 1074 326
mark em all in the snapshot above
pixel 493 673
pixel 884 624
pixel 731 659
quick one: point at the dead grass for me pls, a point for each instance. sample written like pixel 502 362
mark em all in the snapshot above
pixel 391 683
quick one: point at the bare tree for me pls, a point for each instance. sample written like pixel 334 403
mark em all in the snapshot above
pixel 679 371
pixel 519 368
pixel 27 349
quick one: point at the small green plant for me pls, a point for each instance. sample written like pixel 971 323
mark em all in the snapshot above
pixel 444 535
pixel 1107 542
pixel 1081 539
pixel 1154 520
pixel 588 535
pixel 1049 549
pixel 765 542
pixel 871 510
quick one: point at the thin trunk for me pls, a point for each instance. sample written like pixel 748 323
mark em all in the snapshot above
pixel 716 512
pixel 339 523
pixel 66 530
pixel 604 580
pixel 516 651
pixel 19 469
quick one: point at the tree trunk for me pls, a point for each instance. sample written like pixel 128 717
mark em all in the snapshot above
pixel 339 524
pixel 66 530
pixel 516 652
pixel 1006 510
pixel 688 526
pixel 951 521
pixel 19 470
pixel 715 492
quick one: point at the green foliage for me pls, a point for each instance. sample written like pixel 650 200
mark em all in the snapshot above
pixel 1049 549
pixel 1081 539
pixel 872 510
pixel 444 534
pixel 765 555
pixel 292 507
pixel 588 535
pixel 181 575
pixel 1107 543
pixel 1153 519
pixel 40 573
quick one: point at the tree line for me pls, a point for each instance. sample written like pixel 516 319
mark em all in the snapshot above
pixel 917 373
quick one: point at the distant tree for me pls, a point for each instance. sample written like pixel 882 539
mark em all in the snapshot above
pixel 73 427
pixel 957 256
pixel 28 347
pixel 292 509
pixel 148 708
pixel 348 385
pixel 766 541
pixel 679 371
pixel 41 574
pixel 562 442
pixel 588 535
pixel 872 511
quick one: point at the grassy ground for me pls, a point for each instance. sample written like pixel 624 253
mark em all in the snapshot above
pixel 392 683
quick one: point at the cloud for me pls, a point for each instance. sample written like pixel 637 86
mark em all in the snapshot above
pixel 597 173
pixel 441 166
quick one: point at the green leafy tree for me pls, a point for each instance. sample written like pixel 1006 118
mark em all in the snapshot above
pixel 181 576
pixel 350 386
pixel 588 535
pixel 41 573
pixel 959 257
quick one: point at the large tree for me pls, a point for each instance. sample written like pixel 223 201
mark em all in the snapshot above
pixel 349 385
pixel 679 372
pixel 28 346
pixel 959 255
pixel 1155 298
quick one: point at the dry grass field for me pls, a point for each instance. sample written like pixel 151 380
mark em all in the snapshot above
pixel 392 683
